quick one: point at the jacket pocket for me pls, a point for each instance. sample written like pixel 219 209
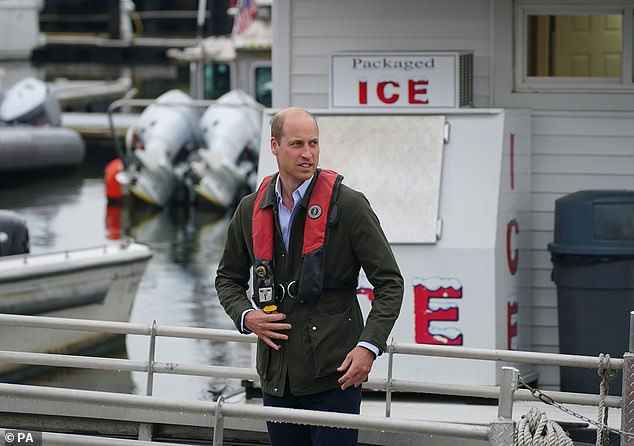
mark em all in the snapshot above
pixel 332 336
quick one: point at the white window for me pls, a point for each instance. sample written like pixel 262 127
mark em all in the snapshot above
pixel 581 46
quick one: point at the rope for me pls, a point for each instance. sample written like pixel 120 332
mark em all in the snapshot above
pixel 606 372
pixel 534 429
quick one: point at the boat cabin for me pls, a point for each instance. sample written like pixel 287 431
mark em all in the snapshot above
pixel 241 60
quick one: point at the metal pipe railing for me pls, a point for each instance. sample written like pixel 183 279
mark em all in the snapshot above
pixel 249 374
pixel 105 405
pixel 499 429
pixel 17 320
pixel 126 365
pixel 58 439
pixel 505 355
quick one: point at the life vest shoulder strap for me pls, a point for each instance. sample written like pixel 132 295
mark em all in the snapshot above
pixel 321 201
pixel 263 226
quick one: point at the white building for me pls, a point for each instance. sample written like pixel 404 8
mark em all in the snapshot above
pixel 570 62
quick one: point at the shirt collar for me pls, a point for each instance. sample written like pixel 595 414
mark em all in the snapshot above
pixel 301 190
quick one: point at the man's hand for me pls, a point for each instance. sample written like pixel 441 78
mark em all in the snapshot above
pixel 357 366
pixel 267 326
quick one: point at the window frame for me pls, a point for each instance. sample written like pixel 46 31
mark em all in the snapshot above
pixel 232 73
pixel 252 76
pixel 535 84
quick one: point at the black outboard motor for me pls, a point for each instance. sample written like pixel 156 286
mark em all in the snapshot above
pixel 14 235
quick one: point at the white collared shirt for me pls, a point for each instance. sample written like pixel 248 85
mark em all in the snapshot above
pixel 284 214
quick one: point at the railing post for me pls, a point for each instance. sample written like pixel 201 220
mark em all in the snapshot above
pixel 508 386
pixel 627 409
pixel 388 381
pixel 145 429
pixel 219 424
pixel 503 429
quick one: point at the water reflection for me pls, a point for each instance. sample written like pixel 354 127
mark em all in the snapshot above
pixel 50 203
pixel 69 210
pixel 178 289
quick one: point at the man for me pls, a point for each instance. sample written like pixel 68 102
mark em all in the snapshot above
pixel 307 235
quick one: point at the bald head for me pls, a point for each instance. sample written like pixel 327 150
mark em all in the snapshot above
pixel 295 145
pixel 277 123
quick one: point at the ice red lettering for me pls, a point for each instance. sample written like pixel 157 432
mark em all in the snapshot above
pixel 512 160
pixel 381 94
pixel 416 89
pixel 363 91
pixel 511 323
pixel 425 314
pixel 512 255
pixel 363 291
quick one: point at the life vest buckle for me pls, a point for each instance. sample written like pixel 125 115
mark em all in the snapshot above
pixel 291 289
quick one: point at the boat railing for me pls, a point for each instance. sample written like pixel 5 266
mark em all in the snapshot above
pixel 105 248
pixel 149 410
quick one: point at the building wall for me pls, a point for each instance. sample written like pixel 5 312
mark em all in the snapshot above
pixel 579 141
pixel 318 28
pixel 571 149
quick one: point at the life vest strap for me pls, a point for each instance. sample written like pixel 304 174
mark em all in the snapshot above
pixel 263 225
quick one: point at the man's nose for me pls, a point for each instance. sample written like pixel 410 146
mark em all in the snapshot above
pixel 306 151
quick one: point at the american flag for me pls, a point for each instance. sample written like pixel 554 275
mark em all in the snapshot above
pixel 246 13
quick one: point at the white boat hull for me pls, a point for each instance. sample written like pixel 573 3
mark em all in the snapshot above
pixel 97 283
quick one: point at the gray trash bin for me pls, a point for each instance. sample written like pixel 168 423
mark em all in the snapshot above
pixel 593 268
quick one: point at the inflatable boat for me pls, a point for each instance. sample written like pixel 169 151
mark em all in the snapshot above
pixel 30 133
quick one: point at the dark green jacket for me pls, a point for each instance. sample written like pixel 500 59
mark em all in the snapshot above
pixel 324 331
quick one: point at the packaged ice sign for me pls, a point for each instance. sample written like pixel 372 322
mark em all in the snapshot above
pixel 401 80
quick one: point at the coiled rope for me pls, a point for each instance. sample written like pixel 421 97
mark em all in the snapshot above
pixel 606 372
pixel 534 429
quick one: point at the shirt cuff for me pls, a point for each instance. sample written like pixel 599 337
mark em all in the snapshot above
pixel 370 346
pixel 243 329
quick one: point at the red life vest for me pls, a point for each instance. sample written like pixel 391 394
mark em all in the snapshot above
pixel 320 215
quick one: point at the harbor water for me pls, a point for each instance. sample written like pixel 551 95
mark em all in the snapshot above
pixel 68 209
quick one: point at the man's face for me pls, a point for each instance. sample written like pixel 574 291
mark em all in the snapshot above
pixel 297 151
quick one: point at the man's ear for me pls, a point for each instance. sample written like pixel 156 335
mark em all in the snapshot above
pixel 274 145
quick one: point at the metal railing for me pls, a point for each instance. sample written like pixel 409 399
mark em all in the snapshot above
pixel 149 410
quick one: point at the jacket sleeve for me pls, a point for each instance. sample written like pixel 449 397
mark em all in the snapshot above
pixel 377 260
pixel 232 276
